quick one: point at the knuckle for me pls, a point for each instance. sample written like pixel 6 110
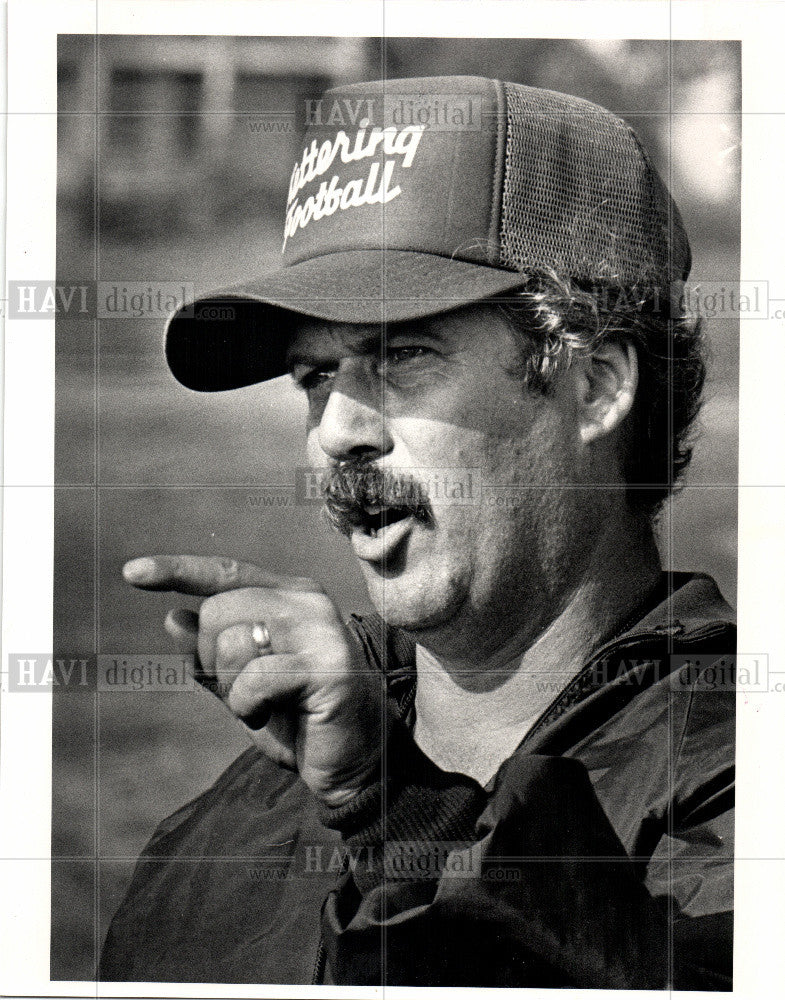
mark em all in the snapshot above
pixel 333 660
pixel 226 644
pixel 301 663
pixel 236 700
pixel 208 615
pixel 281 621
pixel 228 570
pixel 257 597
pixel 317 603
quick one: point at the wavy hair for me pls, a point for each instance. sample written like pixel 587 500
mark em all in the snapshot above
pixel 556 318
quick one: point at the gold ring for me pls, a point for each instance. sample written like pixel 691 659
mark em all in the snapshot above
pixel 261 638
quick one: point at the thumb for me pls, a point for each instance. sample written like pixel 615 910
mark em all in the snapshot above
pixel 183 626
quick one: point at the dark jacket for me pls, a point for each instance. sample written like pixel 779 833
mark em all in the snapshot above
pixel 601 855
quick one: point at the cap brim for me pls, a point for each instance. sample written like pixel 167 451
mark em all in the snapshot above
pixel 239 336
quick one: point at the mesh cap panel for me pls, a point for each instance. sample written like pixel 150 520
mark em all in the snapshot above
pixel 580 195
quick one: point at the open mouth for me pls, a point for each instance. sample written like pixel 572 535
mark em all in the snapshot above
pixel 379 533
pixel 376 517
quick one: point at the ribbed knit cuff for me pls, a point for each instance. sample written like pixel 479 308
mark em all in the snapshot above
pixel 405 824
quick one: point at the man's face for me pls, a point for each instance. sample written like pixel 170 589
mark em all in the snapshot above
pixel 434 399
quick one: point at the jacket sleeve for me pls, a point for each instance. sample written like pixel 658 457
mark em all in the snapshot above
pixel 530 887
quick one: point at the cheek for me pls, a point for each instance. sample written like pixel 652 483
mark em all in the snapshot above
pixel 439 444
pixel 527 494
pixel 543 454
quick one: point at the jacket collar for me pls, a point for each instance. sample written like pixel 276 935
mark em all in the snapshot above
pixel 692 601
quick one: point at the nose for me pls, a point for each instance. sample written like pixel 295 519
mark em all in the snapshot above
pixel 353 423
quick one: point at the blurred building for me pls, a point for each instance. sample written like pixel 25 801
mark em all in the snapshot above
pixel 188 130
pixel 683 98
pixel 193 131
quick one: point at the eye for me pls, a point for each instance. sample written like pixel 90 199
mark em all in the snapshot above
pixel 402 357
pixel 311 379
pixel 408 353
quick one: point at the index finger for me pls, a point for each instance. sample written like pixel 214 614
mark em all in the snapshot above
pixel 204 576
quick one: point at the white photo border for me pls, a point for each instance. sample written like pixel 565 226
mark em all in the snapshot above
pixel 28 494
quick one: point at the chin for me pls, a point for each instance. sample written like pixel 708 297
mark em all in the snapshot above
pixel 415 603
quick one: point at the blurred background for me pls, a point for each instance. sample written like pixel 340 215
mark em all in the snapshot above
pixel 173 162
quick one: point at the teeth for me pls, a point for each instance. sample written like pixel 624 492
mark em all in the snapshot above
pixel 377 516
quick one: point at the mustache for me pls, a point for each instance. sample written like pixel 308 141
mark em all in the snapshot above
pixel 350 488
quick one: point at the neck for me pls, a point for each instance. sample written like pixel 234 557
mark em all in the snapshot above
pixel 472 709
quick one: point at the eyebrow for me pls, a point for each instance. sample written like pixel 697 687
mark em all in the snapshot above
pixel 363 343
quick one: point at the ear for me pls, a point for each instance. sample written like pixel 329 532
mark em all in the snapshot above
pixel 606 382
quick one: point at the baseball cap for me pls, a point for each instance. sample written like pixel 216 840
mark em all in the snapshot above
pixel 414 197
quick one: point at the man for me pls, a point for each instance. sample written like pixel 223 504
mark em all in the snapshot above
pixel 520 762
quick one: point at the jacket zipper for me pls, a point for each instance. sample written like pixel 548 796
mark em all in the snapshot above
pixel 321 959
